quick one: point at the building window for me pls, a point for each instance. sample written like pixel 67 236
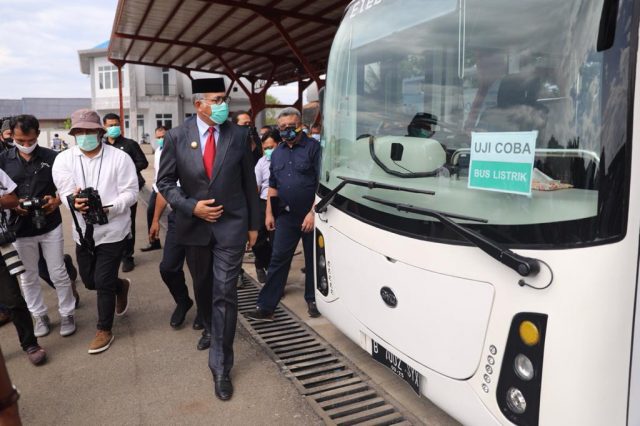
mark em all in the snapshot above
pixel 165 81
pixel 164 120
pixel 107 77
pixel 126 121
pixel 189 114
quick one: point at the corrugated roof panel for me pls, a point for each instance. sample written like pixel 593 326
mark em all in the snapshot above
pixel 158 15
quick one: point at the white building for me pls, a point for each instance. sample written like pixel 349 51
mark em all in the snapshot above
pixel 154 96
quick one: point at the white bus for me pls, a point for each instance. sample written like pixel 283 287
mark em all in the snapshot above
pixel 478 213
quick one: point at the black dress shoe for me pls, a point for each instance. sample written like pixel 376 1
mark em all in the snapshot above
pixel 197 324
pixel 223 387
pixel 262 275
pixel 177 318
pixel 128 265
pixel 312 309
pixel 260 315
pixel 205 341
pixel 152 246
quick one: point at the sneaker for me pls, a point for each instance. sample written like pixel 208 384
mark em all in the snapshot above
pixel 262 275
pixel 312 309
pixel 36 355
pixel 122 298
pixel 260 315
pixel 101 342
pixel 128 265
pixel 67 326
pixel 42 326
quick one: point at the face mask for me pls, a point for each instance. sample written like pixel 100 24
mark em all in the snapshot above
pixel 87 142
pixel 316 136
pixel 268 152
pixel 288 134
pixel 113 131
pixel 160 142
pixel 26 149
pixel 306 131
pixel 219 113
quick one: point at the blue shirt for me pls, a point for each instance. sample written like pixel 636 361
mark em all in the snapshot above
pixel 294 173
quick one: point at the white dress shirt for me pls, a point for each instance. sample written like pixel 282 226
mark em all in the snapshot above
pixel 262 175
pixel 113 174
pixel 203 131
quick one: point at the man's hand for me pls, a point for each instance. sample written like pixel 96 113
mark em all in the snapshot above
pixel 20 210
pixel 204 211
pixel 307 223
pixel 270 222
pixel 154 231
pixel 253 237
pixel 52 204
pixel 80 204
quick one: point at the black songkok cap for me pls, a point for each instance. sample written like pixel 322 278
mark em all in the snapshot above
pixel 208 85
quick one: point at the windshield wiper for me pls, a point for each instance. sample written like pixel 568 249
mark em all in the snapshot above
pixel 524 266
pixel 321 207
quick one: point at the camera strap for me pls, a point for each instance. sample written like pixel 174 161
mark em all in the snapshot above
pixel 86 240
pixel 84 176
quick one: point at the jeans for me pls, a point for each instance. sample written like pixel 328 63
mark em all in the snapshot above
pixel 53 252
pixel 12 299
pixel 288 233
pixel 100 272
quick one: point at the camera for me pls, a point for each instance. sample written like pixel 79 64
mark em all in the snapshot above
pixel 95 215
pixel 34 206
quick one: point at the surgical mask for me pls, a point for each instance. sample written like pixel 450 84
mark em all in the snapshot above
pixel 268 152
pixel 114 132
pixel 316 136
pixel 26 149
pixel 160 142
pixel 288 134
pixel 87 142
pixel 219 113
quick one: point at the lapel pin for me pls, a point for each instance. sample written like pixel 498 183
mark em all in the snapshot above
pixel 194 144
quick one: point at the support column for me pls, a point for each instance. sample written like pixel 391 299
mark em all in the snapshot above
pixel 119 65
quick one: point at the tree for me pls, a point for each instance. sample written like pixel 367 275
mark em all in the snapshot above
pixel 271 113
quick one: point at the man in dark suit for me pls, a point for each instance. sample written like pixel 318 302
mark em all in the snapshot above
pixel 217 210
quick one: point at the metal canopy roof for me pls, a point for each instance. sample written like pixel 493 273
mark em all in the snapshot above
pixel 272 40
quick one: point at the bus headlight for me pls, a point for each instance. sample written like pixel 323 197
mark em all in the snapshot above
pixel 523 367
pixel 516 401
pixel 322 281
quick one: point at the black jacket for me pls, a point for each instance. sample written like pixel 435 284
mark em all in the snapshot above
pixel 132 148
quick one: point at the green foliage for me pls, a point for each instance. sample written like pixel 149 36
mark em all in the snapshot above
pixel 271 113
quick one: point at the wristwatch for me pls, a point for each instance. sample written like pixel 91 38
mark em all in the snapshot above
pixel 10 399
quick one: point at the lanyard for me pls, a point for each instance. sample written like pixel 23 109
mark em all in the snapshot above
pixel 84 178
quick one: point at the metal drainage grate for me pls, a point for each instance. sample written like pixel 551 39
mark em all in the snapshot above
pixel 339 393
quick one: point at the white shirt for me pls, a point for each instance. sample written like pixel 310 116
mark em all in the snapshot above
pixel 262 175
pixel 113 174
pixel 156 165
pixel 203 131
pixel 7 186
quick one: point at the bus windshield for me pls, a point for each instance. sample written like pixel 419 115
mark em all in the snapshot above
pixel 506 110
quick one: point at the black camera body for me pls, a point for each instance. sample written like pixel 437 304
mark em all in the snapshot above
pixel 95 215
pixel 34 205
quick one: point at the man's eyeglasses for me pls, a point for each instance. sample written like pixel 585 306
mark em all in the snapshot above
pixel 218 100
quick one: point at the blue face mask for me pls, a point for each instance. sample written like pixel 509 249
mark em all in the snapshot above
pixel 87 142
pixel 288 134
pixel 160 142
pixel 219 113
pixel 114 132
pixel 268 152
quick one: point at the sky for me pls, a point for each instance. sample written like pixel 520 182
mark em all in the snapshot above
pixel 39 43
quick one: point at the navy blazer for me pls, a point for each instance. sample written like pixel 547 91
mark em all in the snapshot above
pixel 232 185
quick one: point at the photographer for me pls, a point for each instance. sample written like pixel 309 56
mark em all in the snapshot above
pixel 103 186
pixel 38 222
pixel 10 295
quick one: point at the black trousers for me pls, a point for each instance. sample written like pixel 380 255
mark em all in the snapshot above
pixel 12 299
pixel 131 242
pixel 262 248
pixel 151 207
pixel 100 272
pixel 172 264
pixel 215 272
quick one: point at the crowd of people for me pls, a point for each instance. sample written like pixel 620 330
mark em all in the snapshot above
pixel 227 187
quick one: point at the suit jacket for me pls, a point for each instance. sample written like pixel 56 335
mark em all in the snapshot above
pixel 232 185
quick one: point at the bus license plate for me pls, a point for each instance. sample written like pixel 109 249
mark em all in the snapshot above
pixel 395 364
